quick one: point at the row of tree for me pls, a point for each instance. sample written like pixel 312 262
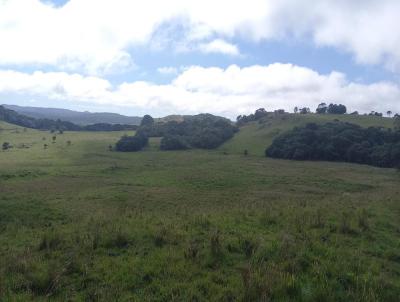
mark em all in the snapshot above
pixel 323 108
pixel 339 141
pixel 15 118
pixel 204 131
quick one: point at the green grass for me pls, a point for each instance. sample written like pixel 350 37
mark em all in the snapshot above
pixel 257 136
pixel 81 223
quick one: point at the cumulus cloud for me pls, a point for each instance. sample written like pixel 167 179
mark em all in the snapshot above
pixel 93 34
pixel 229 92
pixel 219 46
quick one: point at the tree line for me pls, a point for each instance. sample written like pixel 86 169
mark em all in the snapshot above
pixel 322 108
pixel 15 118
pixel 339 141
pixel 204 131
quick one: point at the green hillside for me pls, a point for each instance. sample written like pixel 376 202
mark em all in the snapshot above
pixel 81 223
pixel 257 136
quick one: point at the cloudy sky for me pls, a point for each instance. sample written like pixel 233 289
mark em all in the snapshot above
pixel 225 57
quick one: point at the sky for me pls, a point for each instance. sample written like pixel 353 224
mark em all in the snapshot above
pixel 223 57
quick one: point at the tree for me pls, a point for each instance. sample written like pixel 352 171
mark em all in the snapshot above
pixel 245 152
pixel 69 143
pixel 147 120
pixel 305 110
pixel 45 146
pixel 296 109
pixel 374 113
pixel 389 113
pixel 110 147
pixel 260 113
pixel 322 108
pixel 54 138
pixel 6 146
pixel 336 109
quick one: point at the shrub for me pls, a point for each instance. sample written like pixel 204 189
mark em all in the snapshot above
pixel 132 143
pixel 6 146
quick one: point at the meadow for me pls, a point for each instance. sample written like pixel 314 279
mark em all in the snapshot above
pixel 79 222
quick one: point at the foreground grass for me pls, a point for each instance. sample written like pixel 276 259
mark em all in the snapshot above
pixel 81 223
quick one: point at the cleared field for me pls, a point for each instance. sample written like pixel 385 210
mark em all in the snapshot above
pixel 81 223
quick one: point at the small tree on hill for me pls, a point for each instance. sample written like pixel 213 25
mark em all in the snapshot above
pixel 389 113
pixel 54 138
pixel 305 110
pixel 322 108
pixel 296 109
pixel 336 109
pixel 6 146
pixel 147 120
pixel 261 112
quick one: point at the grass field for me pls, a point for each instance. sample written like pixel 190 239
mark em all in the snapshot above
pixel 81 223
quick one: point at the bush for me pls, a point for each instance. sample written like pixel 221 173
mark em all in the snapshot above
pixel 132 143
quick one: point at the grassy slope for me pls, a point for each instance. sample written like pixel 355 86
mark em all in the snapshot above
pixel 256 137
pixel 92 225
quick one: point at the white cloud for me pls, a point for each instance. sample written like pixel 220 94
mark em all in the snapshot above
pixel 219 46
pixel 229 92
pixel 94 34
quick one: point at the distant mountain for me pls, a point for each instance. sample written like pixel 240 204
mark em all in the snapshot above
pixel 76 117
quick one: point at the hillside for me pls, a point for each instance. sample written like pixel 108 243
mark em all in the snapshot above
pixel 257 136
pixel 76 117
pixel 80 221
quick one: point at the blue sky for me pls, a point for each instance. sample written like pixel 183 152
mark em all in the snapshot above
pixel 188 57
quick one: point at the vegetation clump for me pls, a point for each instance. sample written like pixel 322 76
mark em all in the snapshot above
pixel 339 141
pixel 203 131
pixel 132 143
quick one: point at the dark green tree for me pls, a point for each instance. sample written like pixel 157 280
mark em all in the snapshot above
pixel 336 109
pixel 147 120
pixel 6 146
pixel 322 108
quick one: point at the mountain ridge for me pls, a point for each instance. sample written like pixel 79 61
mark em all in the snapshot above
pixel 76 117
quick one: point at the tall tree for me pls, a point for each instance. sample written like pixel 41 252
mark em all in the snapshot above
pixel 147 120
pixel 322 108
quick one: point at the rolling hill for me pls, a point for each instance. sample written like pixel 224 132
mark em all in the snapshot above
pixel 81 221
pixel 76 117
pixel 257 136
